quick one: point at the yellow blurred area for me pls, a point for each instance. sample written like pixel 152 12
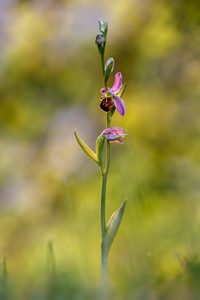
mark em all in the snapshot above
pixel 50 81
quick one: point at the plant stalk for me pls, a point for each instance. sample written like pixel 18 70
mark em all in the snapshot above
pixel 104 253
pixel 102 60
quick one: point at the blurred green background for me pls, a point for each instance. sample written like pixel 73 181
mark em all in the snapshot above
pixel 50 78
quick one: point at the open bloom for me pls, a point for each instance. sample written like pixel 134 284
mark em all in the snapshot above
pixel 110 98
pixel 114 134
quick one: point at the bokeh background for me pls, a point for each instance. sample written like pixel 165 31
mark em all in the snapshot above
pixel 50 78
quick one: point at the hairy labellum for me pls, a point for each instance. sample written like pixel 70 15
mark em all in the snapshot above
pixel 107 103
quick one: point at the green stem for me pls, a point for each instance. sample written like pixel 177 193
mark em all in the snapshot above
pixel 102 65
pixel 102 62
pixel 104 254
pixel 103 230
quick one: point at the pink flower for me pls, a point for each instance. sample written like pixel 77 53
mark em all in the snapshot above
pixel 114 134
pixel 110 98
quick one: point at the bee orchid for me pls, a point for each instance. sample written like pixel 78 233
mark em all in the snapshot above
pixel 110 96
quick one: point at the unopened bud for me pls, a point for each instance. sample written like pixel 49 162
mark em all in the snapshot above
pixel 100 39
pixel 103 27
pixel 109 66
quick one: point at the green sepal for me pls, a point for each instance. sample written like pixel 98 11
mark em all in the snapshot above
pixel 108 69
pixel 121 92
pixel 86 148
pixel 113 226
pixel 112 111
pixel 99 149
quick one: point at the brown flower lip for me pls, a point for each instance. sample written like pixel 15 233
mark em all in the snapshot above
pixel 107 103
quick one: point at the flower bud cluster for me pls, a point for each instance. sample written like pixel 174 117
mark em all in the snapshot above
pixel 101 35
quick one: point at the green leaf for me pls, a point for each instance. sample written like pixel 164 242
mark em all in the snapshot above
pixel 86 148
pixel 109 66
pixel 99 149
pixel 113 226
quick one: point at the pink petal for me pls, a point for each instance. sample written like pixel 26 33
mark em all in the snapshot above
pixel 119 104
pixel 117 85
